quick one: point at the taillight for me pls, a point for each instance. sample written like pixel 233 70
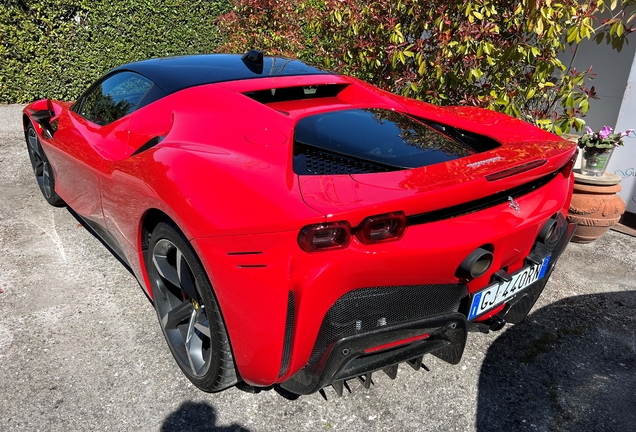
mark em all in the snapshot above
pixel 382 228
pixel 324 236
pixel 567 169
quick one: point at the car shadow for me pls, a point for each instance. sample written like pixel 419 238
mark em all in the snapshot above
pixel 196 416
pixel 569 366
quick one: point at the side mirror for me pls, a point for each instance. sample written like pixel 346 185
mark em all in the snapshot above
pixel 43 118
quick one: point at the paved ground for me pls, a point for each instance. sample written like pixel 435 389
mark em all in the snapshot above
pixel 80 348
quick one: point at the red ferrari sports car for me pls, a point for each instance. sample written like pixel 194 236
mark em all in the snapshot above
pixel 300 228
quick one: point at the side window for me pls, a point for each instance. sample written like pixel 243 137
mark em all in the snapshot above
pixel 114 98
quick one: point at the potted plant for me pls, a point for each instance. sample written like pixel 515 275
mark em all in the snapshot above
pixel 595 205
pixel 597 148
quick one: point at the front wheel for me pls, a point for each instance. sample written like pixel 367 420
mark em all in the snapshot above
pixel 188 312
pixel 42 168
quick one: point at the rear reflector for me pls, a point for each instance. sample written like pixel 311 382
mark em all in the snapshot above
pixel 396 343
pixel 382 228
pixel 325 236
pixel 516 170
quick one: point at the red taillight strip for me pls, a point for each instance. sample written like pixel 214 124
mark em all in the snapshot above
pixel 396 343
pixel 515 170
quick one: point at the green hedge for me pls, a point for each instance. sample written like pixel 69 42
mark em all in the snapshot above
pixel 56 48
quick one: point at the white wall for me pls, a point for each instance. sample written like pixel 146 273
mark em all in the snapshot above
pixel 615 86
pixel 612 70
pixel 623 161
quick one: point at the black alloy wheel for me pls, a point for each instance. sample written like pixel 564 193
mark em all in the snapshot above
pixel 188 312
pixel 42 168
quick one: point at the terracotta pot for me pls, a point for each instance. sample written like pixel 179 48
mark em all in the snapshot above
pixel 595 208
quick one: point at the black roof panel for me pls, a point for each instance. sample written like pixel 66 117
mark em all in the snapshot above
pixel 177 73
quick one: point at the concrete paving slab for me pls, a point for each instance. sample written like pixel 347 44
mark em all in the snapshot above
pixel 80 348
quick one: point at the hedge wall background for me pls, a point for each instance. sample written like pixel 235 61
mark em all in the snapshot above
pixel 56 48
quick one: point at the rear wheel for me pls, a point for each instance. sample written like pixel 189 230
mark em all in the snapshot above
pixel 42 168
pixel 188 312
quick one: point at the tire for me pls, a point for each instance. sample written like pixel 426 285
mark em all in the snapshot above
pixel 188 312
pixel 42 168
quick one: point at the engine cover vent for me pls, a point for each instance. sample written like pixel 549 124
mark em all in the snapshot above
pixel 313 161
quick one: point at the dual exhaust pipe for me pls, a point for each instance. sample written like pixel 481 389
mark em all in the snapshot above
pixel 479 261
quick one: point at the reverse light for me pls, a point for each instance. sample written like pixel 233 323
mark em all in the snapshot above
pixel 324 236
pixel 382 228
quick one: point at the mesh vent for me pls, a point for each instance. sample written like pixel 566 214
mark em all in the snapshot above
pixel 313 161
pixel 368 309
pixel 289 332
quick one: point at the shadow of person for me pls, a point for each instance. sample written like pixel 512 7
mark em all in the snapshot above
pixel 569 366
pixel 196 416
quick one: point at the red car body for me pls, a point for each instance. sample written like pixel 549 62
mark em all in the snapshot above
pixel 219 163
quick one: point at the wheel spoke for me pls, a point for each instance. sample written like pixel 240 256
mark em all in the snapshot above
pixel 46 180
pixel 33 144
pixel 202 325
pixel 34 153
pixel 180 308
pixel 178 315
pixel 167 271
pixel 203 329
pixel 38 166
pixel 190 349
pixel 185 276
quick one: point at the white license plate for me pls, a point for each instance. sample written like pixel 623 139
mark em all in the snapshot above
pixel 495 294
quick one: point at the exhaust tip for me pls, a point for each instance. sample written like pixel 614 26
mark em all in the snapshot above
pixel 476 263
pixel 547 231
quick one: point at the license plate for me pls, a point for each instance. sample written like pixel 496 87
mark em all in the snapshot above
pixel 497 293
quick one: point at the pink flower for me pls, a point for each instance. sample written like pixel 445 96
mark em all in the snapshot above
pixel 627 132
pixel 605 132
pixel 589 130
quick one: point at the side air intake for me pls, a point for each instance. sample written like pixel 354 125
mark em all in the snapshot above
pixel 289 334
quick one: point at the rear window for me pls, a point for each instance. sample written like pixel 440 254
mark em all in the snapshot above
pixel 375 140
